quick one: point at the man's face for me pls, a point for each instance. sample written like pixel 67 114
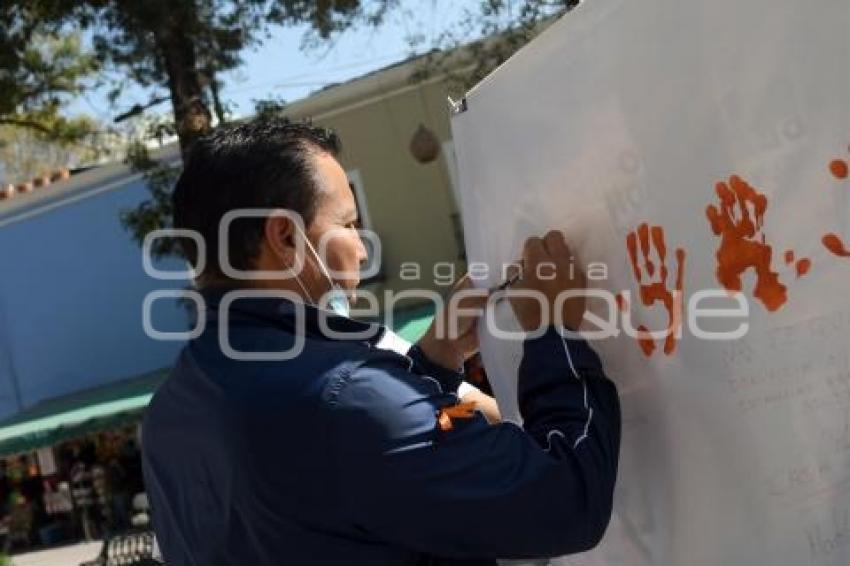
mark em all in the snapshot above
pixel 333 231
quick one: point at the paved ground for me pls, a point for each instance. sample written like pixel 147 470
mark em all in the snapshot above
pixel 64 556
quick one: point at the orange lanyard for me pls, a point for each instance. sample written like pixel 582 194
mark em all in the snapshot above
pixel 459 411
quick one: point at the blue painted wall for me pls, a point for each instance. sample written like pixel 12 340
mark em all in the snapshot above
pixel 71 292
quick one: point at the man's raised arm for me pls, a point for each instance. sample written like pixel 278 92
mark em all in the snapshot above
pixel 479 490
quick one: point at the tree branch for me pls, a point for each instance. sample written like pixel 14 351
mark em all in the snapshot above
pixel 137 109
pixel 21 123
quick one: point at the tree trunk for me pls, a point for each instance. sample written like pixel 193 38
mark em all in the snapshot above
pixel 215 92
pixel 191 117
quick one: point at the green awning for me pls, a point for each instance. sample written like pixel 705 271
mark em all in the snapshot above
pixel 92 410
pixel 411 324
pixel 115 404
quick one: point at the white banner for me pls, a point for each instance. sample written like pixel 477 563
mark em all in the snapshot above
pixel 688 147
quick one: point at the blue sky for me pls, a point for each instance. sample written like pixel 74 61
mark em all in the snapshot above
pixel 281 69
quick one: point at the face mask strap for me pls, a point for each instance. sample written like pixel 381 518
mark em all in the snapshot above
pixel 342 307
pixel 318 259
pixel 304 289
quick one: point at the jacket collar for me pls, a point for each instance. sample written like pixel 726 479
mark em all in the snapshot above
pixel 285 312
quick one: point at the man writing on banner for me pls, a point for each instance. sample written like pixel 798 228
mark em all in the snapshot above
pixel 349 452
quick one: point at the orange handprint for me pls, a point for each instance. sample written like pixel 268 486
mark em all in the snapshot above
pixel 742 243
pixel 833 242
pixel 656 291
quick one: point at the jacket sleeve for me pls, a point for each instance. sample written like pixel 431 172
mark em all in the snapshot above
pixel 480 490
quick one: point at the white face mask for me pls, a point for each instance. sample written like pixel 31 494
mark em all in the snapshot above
pixel 337 297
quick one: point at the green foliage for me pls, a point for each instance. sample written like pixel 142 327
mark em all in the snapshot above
pixel 39 72
pixel 269 107
pixel 156 212
pixel 41 68
pixel 182 45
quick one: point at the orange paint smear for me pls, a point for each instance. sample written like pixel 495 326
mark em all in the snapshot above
pixel 622 303
pixel 803 266
pixel 738 220
pixel 839 169
pixel 658 241
pixel 643 234
pixel 835 245
pixel 647 344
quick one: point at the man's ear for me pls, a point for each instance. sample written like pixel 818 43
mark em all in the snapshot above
pixel 279 235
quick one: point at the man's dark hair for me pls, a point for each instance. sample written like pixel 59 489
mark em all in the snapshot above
pixel 264 163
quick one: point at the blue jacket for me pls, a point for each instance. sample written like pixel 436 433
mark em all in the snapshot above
pixel 337 457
